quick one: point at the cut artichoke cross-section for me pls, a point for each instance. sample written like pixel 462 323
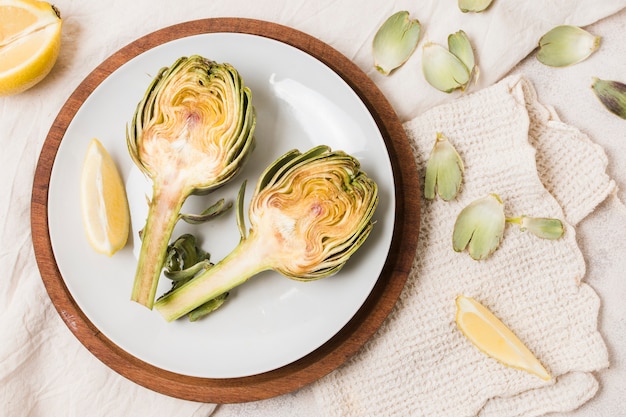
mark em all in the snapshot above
pixel 191 133
pixel 309 213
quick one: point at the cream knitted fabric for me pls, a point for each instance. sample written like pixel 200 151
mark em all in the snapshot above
pixel 419 364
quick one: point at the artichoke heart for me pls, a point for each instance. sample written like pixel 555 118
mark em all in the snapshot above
pixel 191 132
pixel 309 213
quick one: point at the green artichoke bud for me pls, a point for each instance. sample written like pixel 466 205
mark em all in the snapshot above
pixel 309 213
pixel 612 94
pixel 479 227
pixel 566 45
pixel 192 132
pixel 395 41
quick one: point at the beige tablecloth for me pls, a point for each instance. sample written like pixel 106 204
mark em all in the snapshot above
pixel 45 371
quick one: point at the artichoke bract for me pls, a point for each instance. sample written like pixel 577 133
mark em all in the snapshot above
pixel 309 213
pixel 191 132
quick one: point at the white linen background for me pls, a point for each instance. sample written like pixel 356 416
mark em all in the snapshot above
pixel 44 370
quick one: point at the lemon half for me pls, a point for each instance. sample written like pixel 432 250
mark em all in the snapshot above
pixel 30 39
pixel 103 201
pixel 494 338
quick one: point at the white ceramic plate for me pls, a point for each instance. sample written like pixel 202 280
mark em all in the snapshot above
pixel 270 321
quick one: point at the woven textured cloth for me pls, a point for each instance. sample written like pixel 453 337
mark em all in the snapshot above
pixel 517 148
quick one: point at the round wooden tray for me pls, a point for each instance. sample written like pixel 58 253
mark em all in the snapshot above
pixel 331 354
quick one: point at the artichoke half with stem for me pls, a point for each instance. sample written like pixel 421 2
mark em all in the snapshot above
pixel 191 133
pixel 308 214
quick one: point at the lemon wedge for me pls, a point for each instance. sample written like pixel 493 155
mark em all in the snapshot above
pixel 494 338
pixel 30 39
pixel 103 201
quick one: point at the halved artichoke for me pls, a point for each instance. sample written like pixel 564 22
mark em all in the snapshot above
pixel 309 213
pixel 191 133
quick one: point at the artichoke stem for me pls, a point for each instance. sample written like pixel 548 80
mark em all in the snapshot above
pixel 250 257
pixel 162 217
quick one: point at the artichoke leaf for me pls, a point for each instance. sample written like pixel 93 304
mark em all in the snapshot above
pixel 479 227
pixel 444 170
pixel 395 41
pixel 241 221
pixel 566 45
pixel 208 307
pixel 210 213
pixel 612 94
pixel 542 227
pixel 185 258
pixel 442 69
pixel 460 46
pixel 476 6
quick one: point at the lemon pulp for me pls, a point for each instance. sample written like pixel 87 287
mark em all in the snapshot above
pixel 30 40
pixel 494 338
pixel 104 204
